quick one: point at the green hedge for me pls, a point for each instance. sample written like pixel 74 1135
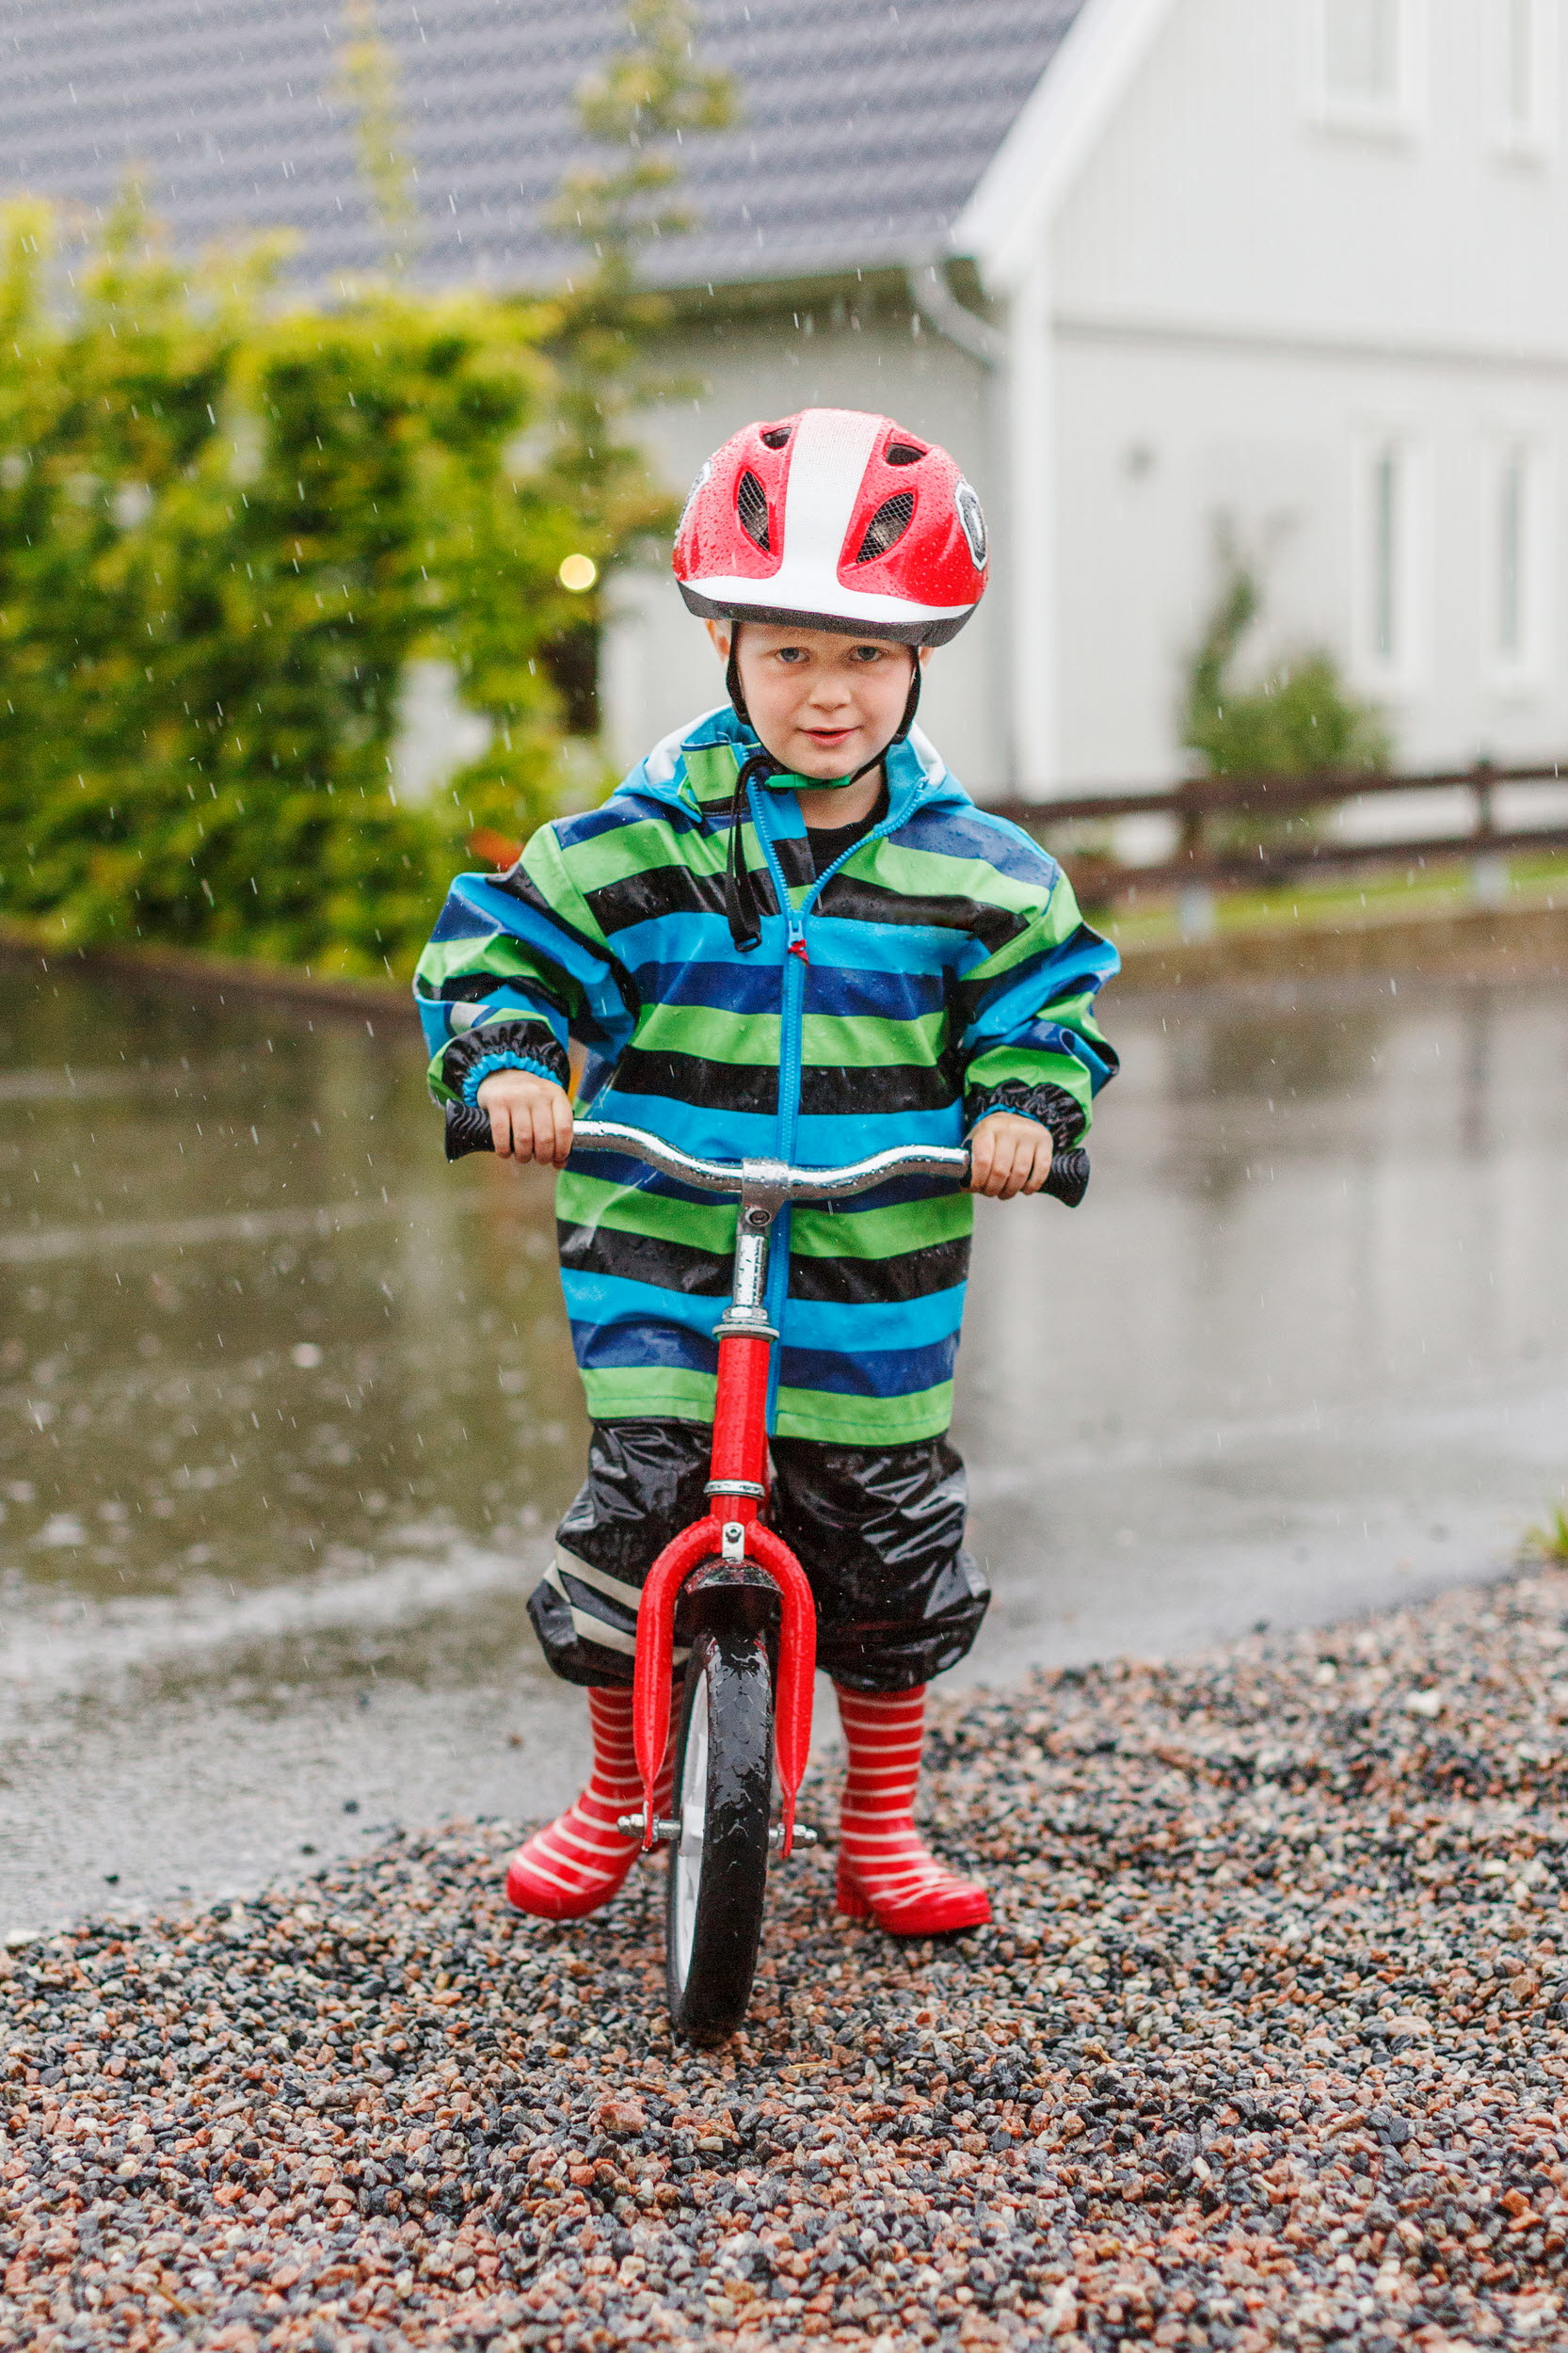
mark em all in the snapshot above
pixel 225 528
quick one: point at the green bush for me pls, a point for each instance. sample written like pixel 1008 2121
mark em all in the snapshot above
pixel 228 525
pixel 1297 719
pixel 225 528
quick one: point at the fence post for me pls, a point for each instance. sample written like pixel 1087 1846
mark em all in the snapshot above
pixel 1197 916
pixel 1489 876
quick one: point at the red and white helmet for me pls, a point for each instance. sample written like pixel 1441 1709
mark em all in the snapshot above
pixel 833 519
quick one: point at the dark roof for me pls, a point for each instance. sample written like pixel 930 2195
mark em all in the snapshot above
pixel 865 126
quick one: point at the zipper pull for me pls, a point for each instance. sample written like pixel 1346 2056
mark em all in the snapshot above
pixel 797 947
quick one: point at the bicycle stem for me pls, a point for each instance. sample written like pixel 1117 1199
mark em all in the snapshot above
pixel 745 1338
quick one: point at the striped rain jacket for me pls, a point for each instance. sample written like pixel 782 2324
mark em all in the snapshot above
pixel 938 970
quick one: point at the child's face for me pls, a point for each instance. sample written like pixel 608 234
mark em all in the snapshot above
pixel 822 703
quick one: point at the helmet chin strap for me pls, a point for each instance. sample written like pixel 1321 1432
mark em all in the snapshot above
pixel 817 784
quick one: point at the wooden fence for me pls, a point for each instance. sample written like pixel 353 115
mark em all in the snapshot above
pixel 1236 832
pixel 1233 832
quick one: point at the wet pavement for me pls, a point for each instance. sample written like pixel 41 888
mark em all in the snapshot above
pixel 287 1407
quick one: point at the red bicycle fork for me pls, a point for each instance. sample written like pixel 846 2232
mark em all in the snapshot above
pixel 733 1534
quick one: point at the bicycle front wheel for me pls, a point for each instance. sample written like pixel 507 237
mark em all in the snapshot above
pixel 718 1874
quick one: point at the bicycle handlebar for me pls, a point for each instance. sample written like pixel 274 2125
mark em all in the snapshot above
pixel 468 1129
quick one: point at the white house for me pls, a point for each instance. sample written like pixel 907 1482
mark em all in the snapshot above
pixel 1301 264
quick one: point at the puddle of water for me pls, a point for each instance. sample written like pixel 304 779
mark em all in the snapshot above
pixel 287 1408
pixel 1310 1354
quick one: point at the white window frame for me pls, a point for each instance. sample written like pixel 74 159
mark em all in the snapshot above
pixel 1398 115
pixel 1518 457
pixel 1528 136
pixel 1391 566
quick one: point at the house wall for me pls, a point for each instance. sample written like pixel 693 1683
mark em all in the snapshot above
pixel 1250 303
pixel 659 669
pixel 1159 443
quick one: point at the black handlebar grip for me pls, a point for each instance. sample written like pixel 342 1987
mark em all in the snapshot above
pixel 468 1129
pixel 1068 1181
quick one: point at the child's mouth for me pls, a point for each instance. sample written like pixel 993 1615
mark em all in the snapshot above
pixel 830 737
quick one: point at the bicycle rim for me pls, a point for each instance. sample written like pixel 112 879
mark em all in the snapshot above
pixel 718 1883
pixel 686 1862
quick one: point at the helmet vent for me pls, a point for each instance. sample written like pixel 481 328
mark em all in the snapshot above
pixel 775 436
pixel 751 505
pixel 886 527
pixel 903 454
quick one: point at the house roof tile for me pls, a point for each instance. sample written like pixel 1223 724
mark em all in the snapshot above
pixel 864 126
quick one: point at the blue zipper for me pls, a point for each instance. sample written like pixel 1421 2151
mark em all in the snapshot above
pixel 790 1038
pixel 791 1049
pixel 790 1042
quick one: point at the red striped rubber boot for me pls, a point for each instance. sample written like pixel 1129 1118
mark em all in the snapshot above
pixel 886 1871
pixel 579 1862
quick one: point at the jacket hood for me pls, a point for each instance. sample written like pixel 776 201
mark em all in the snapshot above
pixel 918 775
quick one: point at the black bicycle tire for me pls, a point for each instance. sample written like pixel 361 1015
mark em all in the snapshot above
pixel 733 1667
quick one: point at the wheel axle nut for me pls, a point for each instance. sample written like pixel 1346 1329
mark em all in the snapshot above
pixel 665 1830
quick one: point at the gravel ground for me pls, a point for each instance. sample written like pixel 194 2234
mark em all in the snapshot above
pixel 1267 2047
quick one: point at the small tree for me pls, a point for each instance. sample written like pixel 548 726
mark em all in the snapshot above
pixel 650 95
pixel 651 91
pixel 371 89
pixel 1297 718
pixel 508 631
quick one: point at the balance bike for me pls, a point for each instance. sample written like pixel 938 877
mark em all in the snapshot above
pixel 741 1596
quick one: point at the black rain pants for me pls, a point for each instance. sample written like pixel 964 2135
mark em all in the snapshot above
pixel 879 1531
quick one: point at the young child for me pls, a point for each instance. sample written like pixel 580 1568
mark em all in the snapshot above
pixel 946 992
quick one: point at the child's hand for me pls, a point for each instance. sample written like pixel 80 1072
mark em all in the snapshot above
pixel 530 1116
pixel 1008 1155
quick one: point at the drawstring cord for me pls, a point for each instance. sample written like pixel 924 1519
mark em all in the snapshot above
pixel 740 888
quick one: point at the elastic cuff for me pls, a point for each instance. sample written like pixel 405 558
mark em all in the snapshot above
pixel 1048 1106
pixel 1014 1111
pixel 475 1078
